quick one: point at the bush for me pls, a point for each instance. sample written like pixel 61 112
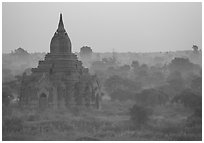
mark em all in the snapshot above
pixel 139 115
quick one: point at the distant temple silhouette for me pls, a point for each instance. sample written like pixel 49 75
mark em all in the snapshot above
pixel 60 80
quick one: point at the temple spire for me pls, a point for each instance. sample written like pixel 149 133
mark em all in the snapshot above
pixel 60 25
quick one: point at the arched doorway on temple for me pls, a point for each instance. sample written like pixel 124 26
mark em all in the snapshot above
pixel 43 101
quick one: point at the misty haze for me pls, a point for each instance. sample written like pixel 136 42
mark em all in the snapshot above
pixel 102 71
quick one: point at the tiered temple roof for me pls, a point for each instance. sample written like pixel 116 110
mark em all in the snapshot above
pixel 60 59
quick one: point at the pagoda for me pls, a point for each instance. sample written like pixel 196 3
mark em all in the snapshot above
pixel 60 59
pixel 60 80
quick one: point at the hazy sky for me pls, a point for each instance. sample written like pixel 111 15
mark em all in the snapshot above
pixel 134 27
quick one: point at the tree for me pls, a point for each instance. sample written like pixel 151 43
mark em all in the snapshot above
pixel 184 66
pixel 135 64
pixel 188 99
pixel 195 48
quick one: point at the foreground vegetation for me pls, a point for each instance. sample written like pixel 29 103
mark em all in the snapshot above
pixel 112 122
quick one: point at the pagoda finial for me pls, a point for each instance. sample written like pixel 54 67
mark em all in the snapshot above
pixel 61 17
pixel 60 25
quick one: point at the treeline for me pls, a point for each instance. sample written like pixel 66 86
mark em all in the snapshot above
pixel 179 82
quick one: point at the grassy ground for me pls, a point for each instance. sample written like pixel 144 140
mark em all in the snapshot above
pixel 112 122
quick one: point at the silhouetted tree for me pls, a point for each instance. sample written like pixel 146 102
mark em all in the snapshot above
pixel 195 48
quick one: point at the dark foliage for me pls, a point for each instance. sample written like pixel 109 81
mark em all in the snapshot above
pixel 183 65
pixel 139 115
pixel 189 99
